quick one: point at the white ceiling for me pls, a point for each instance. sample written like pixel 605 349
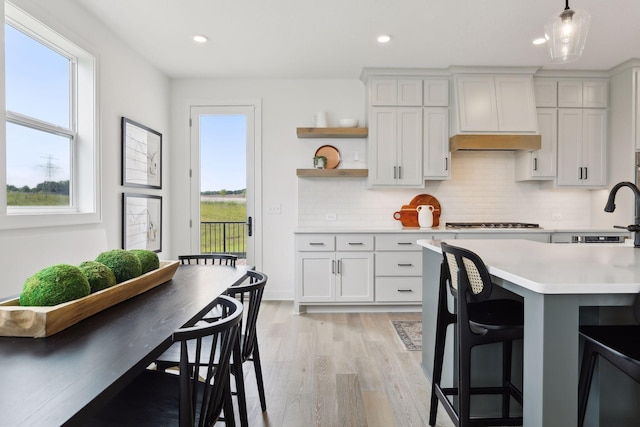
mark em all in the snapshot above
pixel 336 38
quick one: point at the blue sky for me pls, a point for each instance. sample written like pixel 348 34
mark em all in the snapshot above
pixel 223 152
pixel 37 84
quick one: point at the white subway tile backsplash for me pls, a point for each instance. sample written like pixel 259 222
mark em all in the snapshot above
pixel 482 188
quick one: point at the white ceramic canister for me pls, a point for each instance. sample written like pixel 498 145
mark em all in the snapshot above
pixel 320 119
pixel 425 216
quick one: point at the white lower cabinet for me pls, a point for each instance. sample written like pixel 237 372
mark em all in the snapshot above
pixel 327 275
pixel 399 276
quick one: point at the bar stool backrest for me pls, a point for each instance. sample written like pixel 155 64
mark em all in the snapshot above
pixel 467 272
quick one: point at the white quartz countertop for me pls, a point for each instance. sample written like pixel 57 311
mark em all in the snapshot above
pixel 443 229
pixel 556 268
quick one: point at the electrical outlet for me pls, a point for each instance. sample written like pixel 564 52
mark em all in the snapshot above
pixel 275 209
pixel 556 217
pixel 330 217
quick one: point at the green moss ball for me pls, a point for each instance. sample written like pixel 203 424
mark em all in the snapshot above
pixel 54 285
pixel 99 275
pixel 148 259
pixel 124 264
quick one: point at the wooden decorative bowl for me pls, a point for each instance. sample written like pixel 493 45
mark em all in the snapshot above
pixel 37 322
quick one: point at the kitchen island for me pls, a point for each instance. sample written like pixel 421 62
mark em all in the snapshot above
pixel 560 286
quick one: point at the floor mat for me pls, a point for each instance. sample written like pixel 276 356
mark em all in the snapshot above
pixel 410 333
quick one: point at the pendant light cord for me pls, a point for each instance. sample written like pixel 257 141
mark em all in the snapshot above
pixel 567 5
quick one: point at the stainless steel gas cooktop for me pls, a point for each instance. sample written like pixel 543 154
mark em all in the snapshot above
pixel 491 225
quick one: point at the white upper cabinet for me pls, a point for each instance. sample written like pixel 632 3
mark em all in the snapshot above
pixel 395 146
pixel 582 154
pixel 582 94
pixel 546 92
pixel 436 143
pixel 541 164
pixel 436 93
pixel 503 103
pixel 395 92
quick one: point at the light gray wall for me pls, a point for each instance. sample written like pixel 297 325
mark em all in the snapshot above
pixel 128 86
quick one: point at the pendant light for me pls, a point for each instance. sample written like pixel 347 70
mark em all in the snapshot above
pixel 566 34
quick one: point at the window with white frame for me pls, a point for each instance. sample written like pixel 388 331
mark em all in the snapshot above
pixel 51 142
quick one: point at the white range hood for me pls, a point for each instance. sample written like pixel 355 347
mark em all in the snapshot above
pixel 493 109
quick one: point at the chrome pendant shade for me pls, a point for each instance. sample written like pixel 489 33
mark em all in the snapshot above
pixel 566 34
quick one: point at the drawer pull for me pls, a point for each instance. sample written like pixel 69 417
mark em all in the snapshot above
pixel 405 265
pixel 356 243
pixel 316 243
pixel 405 243
pixel 405 290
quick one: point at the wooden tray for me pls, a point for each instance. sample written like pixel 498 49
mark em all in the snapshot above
pixel 428 199
pixel 37 322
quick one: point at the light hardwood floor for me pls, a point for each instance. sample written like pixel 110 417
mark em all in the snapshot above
pixel 337 369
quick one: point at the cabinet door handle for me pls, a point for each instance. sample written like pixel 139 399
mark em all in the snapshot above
pixel 316 244
pixel 395 172
pixel 399 172
pixel 446 163
pixel 535 163
pixel 405 265
pixel 356 243
pixel 339 272
pixel 580 173
pixel 405 243
pixel 405 290
pixel 333 267
pixel 586 173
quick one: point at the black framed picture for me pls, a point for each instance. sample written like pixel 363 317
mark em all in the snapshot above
pixel 141 155
pixel 141 222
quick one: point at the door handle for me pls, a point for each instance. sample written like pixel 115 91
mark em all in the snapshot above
pixel 535 163
pixel 395 172
pixel 405 265
pixel 446 163
pixel 580 173
pixel 405 290
pixel 333 266
pixel 339 272
pixel 356 243
pixel 250 226
pixel 399 172
pixel 586 172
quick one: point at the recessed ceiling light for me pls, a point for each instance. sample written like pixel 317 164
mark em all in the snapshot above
pixel 384 38
pixel 539 40
pixel 200 39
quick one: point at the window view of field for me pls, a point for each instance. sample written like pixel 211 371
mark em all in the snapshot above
pixel 47 193
pixel 223 222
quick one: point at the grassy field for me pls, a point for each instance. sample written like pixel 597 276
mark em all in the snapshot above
pixel 223 211
pixel 234 239
pixel 15 198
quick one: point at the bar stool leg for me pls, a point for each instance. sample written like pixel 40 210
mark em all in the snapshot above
pixel 589 356
pixel 506 377
pixel 443 320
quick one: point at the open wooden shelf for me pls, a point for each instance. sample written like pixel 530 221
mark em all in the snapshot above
pixel 332 173
pixel 332 132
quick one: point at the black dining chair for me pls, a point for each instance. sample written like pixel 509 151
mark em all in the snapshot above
pixel 246 347
pixel 479 320
pixel 618 344
pixel 209 259
pixel 199 394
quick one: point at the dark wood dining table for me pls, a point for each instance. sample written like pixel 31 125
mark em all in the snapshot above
pixel 65 378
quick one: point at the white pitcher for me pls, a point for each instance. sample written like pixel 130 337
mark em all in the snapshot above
pixel 425 216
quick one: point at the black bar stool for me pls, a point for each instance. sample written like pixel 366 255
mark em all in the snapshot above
pixel 479 320
pixel 619 344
